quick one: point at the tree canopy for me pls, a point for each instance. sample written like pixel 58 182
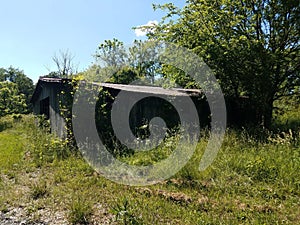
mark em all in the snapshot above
pixel 22 86
pixel 117 64
pixel 251 45
pixel 11 101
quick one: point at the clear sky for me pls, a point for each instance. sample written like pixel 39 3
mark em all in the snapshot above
pixel 32 31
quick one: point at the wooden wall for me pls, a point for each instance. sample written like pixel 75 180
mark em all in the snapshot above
pixel 51 91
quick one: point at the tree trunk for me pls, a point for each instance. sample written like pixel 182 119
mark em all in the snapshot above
pixel 268 114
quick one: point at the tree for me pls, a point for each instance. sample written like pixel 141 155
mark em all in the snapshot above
pixel 52 75
pixel 125 66
pixel 251 45
pixel 24 84
pixel 10 99
pixel 111 64
pixel 111 53
pixel 64 63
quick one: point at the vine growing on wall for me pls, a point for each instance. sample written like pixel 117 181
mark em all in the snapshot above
pixel 66 96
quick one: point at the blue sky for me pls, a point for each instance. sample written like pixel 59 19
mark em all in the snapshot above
pixel 32 31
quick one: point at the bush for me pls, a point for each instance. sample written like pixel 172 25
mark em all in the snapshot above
pixel 6 122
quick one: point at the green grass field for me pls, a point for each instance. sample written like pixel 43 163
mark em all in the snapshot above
pixel 250 182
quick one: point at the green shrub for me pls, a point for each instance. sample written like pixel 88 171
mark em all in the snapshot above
pixel 287 114
pixel 6 122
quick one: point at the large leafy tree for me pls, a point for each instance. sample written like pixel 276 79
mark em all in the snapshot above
pixel 111 64
pixel 252 46
pixel 124 65
pixel 24 84
pixel 11 101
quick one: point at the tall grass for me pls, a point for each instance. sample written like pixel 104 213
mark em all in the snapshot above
pixel 273 159
pixel 252 180
pixel 7 122
pixel 80 211
pixel 42 146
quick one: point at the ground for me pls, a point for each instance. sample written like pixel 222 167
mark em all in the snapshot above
pixel 250 182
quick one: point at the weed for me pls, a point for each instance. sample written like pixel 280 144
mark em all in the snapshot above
pixel 260 170
pixel 3 207
pixel 123 214
pixel 80 211
pixel 39 190
pixel 30 210
pixel 42 146
pixel 10 174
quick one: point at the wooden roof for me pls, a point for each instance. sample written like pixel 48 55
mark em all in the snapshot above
pixel 151 89
pixel 45 80
pixel 122 87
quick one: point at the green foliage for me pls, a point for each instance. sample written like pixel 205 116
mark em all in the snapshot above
pixel 252 46
pixel 10 155
pixel 115 64
pixel 112 53
pixel 259 170
pixel 10 99
pixel 124 76
pixel 287 114
pixel 80 211
pixel 6 122
pixel 104 126
pixel 43 146
pixel 39 189
pixel 66 97
pixel 155 155
pixel 124 214
pixel 52 75
pixel 252 181
pixel 24 84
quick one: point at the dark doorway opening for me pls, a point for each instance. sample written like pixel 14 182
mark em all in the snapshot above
pixel 45 107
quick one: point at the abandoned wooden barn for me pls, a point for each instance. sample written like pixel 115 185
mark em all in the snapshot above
pixel 48 94
pixel 46 101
